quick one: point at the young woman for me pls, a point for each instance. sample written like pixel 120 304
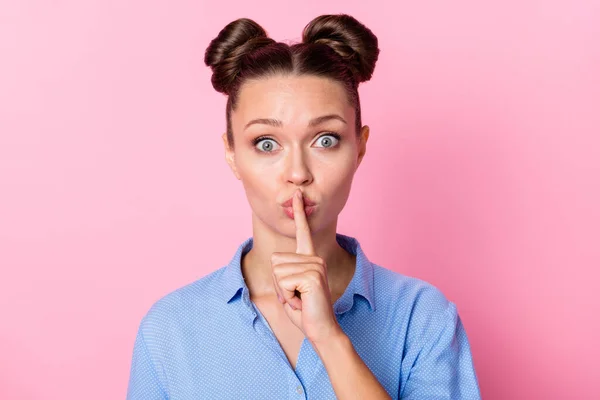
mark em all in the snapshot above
pixel 299 312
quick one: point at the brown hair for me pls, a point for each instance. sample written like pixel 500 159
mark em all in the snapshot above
pixel 333 46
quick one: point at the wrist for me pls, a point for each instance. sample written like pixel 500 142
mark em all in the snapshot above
pixel 334 338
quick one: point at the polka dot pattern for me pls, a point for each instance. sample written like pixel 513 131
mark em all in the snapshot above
pixel 207 340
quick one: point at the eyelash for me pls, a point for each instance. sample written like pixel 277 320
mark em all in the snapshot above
pixel 261 138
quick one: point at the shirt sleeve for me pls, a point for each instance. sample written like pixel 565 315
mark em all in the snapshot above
pixel 443 368
pixel 144 383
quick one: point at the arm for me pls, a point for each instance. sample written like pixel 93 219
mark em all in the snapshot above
pixel 438 365
pixel 143 379
pixel 349 375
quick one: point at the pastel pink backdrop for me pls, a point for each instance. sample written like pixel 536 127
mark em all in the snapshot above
pixel 482 176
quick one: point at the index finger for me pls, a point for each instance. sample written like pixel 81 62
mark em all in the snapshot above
pixel 304 244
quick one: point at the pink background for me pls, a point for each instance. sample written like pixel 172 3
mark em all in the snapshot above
pixel 482 176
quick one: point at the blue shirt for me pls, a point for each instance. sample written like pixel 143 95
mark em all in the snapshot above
pixel 207 340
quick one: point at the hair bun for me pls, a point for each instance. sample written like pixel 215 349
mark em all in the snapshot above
pixel 225 53
pixel 350 39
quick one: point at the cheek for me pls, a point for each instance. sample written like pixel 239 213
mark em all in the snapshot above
pixel 258 181
pixel 336 184
pixel 338 169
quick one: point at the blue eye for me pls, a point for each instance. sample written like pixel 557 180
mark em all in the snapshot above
pixel 328 142
pixel 265 145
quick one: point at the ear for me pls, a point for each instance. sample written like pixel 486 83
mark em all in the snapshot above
pixel 230 155
pixel 362 144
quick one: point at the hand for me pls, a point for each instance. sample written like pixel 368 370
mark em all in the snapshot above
pixel 306 273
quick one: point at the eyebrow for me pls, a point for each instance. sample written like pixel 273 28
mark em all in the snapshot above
pixel 278 124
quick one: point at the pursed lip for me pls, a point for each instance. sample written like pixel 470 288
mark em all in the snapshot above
pixel 307 202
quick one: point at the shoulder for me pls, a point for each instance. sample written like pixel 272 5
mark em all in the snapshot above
pixel 419 311
pixel 176 307
pixel 399 287
pixel 417 301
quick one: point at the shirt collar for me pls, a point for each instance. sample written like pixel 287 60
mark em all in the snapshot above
pixel 361 283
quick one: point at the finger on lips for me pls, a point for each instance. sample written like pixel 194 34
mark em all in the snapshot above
pixel 304 244
pixel 292 268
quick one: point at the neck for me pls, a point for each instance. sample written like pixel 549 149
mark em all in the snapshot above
pixel 256 264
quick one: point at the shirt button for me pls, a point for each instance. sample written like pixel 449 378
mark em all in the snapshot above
pixel 299 389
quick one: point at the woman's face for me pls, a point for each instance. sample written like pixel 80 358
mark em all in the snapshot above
pixel 295 132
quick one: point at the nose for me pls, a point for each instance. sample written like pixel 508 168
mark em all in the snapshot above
pixel 297 170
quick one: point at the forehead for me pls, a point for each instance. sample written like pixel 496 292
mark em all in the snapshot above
pixel 291 99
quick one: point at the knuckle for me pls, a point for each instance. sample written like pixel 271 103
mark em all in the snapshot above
pixel 315 276
pixel 319 266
